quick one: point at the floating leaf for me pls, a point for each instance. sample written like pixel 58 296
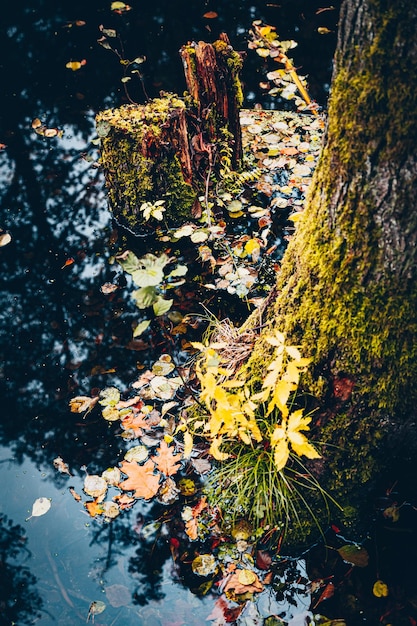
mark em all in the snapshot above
pixel 145 297
pixel 118 595
pixel 141 327
pixel 137 453
pixel 141 479
pixel 356 555
pixel 110 396
pixel 5 238
pixel 95 486
pixel 61 466
pixel 161 305
pixel 75 65
pixel 110 509
pixel 204 565
pixel 166 461
pixel 95 608
pixel 93 508
pixel 210 15
pixel 40 507
pixel 380 589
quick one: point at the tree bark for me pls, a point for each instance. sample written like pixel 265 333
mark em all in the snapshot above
pixel 347 289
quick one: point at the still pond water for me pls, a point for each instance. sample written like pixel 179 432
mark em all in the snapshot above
pixel 60 336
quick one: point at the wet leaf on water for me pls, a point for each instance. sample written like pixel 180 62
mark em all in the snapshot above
pixel 69 261
pixel 328 592
pixel 95 608
pixel 187 486
pixel 356 555
pixel 93 507
pixel 40 507
pixel 166 461
pixel 5 238
pixel 201 466
pixel 199 236
pixel 108 288
pixel 168 492
pixel 163 366
pixel 210 15
pixel 111 475
pixel 61 466
pixel 75 65
pixel 75 495
pixel 120 7
pixel 95 486
pixel 118 595
pixel 161 305
pixel 141 479
pixel 165 388
pixel 110 509
pixel 204 565
pixel 392 513
pixel 110 396
pixel 79 404
pixel 141 327
pixel 380 589
pixel 243 581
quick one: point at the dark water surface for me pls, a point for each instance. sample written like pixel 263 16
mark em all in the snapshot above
pixel 60 336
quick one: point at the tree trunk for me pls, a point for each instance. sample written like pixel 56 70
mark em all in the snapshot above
pixel 347 290
pixel 166 149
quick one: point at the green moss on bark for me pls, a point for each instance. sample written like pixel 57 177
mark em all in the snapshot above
pixel 133 137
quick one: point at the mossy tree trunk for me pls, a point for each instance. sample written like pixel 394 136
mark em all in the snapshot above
pixel 347 289
pixel 168 149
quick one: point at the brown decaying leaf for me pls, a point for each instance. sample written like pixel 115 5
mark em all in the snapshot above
pixel 166 461
pixel 141 479
pixel 74 494
pixel 235 585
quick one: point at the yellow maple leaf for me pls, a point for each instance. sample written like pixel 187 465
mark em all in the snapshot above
pixel 289 433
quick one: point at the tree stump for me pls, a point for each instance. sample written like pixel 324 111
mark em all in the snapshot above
pixel 166 149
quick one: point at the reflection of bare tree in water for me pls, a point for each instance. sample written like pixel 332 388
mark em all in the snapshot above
pixel 19 600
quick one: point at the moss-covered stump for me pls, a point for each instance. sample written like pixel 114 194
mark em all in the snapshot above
pixel 168 149
pixel 146 157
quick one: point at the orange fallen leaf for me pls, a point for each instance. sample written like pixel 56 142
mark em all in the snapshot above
pixel 68 261
pixel 210 15
pixel 124 501
pixel 289 151
pixel 141 479
pixel 136 423
pixel 93 507
pixel 167 462
pixel 191 528
pixel 74 494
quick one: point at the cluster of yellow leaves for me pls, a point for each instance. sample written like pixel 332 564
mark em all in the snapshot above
pixel 235 413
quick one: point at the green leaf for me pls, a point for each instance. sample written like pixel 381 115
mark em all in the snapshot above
pixel 357 555
pixel 180 270
pixel 140 328
pixel 162 306
pixel 145 297
pixel 129 261
pixel 151 276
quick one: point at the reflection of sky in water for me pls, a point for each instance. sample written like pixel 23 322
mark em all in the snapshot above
pixel 77 560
